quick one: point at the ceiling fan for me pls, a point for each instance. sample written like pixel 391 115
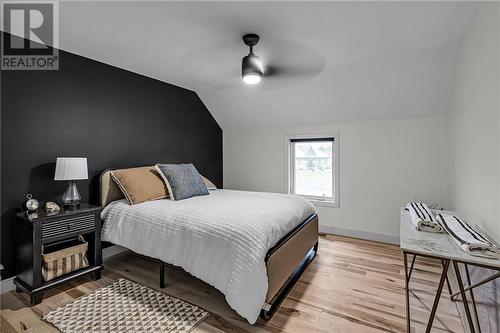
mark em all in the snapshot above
pixel 276 64
pixel 251 65
pixel 296 62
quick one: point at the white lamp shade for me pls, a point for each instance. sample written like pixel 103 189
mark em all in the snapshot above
pixel 71 168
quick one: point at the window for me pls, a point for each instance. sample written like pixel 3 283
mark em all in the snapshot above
pixel 313 168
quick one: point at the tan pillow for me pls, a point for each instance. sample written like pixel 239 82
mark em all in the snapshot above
pixel 140 184
pixel 209 184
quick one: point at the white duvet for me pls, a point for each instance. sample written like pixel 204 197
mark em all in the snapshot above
pixel 221 238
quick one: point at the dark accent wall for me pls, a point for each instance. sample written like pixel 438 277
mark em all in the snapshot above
pixel 113 117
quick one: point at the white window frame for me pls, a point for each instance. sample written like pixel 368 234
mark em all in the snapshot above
pixel 290 167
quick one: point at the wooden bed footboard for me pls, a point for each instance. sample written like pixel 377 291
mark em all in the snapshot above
pixel 287 260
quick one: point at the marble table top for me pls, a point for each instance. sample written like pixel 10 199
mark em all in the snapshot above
pixel 436 245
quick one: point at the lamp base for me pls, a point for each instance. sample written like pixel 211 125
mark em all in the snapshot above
pixel 71 197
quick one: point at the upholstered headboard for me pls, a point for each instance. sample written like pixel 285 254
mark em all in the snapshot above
pixel 108 190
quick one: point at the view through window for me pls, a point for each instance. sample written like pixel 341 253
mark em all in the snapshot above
pixel 313 168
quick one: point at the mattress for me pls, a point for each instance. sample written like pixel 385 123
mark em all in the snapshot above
pixel 221 238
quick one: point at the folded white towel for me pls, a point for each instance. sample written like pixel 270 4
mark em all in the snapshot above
pixel 422 217
pixel 467 238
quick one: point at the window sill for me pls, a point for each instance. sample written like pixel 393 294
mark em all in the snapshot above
pixel 324 203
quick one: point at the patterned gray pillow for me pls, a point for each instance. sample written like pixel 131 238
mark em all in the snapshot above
pixel 183 180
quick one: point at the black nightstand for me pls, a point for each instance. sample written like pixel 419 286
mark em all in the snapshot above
pixel 32 232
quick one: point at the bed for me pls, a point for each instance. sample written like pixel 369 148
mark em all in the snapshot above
pixel 252 246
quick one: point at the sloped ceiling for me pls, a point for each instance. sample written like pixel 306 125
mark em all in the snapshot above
pixel 342 61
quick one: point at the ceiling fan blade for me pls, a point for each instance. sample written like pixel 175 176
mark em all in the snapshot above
pixel 298 71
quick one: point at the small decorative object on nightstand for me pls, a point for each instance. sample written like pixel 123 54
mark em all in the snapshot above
pixel 31 204
pixel 33 234
pixel 52 208
pixel 71 169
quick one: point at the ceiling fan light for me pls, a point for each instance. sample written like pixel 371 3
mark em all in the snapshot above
pixel 251 78
pixel 251 69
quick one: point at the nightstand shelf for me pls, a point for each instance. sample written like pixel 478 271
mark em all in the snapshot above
pixel 32 233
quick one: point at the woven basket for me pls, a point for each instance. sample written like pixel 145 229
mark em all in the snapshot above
pixel 65 260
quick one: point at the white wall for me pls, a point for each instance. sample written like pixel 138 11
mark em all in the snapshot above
pixel 474 123
pixel 383 165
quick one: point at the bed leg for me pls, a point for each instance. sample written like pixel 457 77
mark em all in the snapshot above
pixel 162 275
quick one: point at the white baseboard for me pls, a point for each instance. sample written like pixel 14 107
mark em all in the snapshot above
pixel 8 284
pixel 372 236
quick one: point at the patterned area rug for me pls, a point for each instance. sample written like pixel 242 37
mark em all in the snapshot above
pixel 125 306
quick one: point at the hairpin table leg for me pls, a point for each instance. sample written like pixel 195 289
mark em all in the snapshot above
pixel 446 263
pixel 407 290
pixel 464 298
pixel 467 274
pixel 448 284
pixel 411 266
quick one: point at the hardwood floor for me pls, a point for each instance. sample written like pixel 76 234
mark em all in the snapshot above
pixel 351 286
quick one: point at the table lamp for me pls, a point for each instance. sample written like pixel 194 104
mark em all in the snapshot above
pixel 71 169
